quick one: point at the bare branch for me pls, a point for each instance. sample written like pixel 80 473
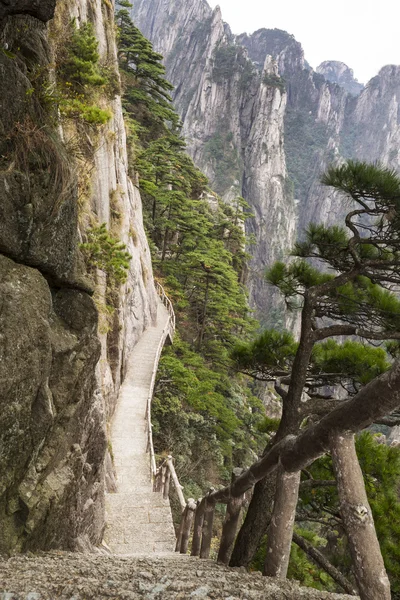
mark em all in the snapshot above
pixel 322 562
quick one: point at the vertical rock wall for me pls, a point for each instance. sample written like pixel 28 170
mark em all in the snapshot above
pixel 59 372
pixel 232 121
pixel 227 103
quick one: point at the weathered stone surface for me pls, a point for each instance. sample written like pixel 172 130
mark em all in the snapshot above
pixel 52 434
pixel 40 9
pixel 38 197
pixel 55 393
pixel 172 577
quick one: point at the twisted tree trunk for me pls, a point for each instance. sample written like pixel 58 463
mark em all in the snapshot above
pixel 253 528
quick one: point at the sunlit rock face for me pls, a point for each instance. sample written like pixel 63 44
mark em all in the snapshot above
pixel 232 113
pixel 269 138
pixel 59 371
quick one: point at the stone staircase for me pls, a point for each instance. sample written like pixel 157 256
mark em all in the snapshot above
pixel 139 532
pixel 169 577
pixel 138 520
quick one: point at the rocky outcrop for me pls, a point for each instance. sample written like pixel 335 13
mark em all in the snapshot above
pixel 60 369
pixel 232 120
pixel 338 72
pixel 40 9
pixel 51 421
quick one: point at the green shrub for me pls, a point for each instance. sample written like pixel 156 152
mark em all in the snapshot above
pixel 274 80
pixel 105 252
pixel 224 63
pixel 93 115
pixel 82 79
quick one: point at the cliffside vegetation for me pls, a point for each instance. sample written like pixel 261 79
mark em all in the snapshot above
pixel 204 417
pixel 207 419
pixel 356 301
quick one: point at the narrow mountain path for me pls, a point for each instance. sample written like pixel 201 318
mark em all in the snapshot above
pixel 139 531
pixel 138 520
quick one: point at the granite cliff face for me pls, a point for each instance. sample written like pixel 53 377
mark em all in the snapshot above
pixel 59 370
pixel 337 72
pixel 232 113
pixel 229 94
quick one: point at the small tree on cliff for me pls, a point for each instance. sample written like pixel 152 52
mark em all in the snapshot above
pixel 147 92
pixel 363 264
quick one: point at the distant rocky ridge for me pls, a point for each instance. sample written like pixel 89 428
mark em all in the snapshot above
pixel 337 72
pixel 266 128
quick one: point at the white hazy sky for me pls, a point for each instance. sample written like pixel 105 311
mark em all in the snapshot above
pixel 364 34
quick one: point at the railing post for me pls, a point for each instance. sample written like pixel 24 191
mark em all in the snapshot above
pixel 166 484
pixel 163 477
pixel 197 528
pixel 229 529
pixel 177 485
pixel 180 532
pixel 187 525
pixel 206 537
pixel 157 480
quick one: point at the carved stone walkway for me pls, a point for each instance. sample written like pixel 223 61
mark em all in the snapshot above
pixel 138 520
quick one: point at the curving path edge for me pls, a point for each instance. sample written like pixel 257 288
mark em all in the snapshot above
pixel 138 520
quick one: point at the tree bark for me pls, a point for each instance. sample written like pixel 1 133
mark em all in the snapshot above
pixel 177 485
pixel 259 513
pixel 379 397
pixel 187 525
pixel 369 569
pixel 181 528
pixel 207 528
pixel 280 531
pixel 198 527
pixel 324 563
pixel 233 510
pixel 41 9
pixel 254 528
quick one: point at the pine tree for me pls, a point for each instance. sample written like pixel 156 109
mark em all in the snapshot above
pixel 198 252
pixel 364 255
pixel 147 93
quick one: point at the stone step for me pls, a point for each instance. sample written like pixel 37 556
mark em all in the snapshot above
pixel 138 498
pixel 163 577
pixel 138 520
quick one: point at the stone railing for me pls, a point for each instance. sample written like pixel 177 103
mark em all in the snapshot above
pixel 168 305
pixel 168 332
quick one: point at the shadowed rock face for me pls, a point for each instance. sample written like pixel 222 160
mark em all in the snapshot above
pixel 55 393
pixel 41 9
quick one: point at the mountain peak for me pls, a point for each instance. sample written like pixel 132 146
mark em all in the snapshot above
pixel 338 72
